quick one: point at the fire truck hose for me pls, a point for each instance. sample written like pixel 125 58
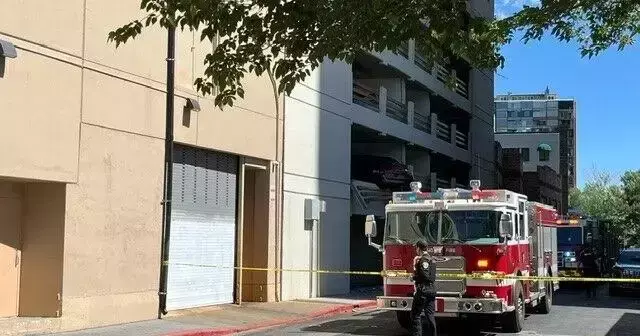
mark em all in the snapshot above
pixel 401 274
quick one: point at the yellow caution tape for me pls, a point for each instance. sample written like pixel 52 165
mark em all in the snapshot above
pixel 402 274
pixel 276 269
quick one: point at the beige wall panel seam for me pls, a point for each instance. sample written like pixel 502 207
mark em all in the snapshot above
pixel 84 40
pixel 155 85
pixel 29 45
pixel 71 59
pixel 122 131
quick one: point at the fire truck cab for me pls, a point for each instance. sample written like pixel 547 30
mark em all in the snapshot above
pixel 472 233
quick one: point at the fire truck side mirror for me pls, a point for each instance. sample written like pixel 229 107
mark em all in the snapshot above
pixel 370 229
pixel 505 226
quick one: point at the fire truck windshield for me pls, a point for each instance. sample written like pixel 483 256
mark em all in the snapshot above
pixel 438 227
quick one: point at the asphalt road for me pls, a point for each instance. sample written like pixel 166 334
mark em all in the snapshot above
pixel 572 315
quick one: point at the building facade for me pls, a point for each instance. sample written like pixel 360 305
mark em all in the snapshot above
pixel 543 127
pixel 385 105
pixel 82 169
pixel 512 170
pixel 81 174
pixel 544 185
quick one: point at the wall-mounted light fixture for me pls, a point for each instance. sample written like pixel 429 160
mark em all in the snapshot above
pixel 192 105
pixel 7 49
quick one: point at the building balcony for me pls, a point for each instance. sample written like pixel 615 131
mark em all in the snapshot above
pixel 461 140
pixel 422 121
pixel 443 75
pixel 366 96
pixel 397 110
pixel 375 108
pixel 443 131
pixel 448 81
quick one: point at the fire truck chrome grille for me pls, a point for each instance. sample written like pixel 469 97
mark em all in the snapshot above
pixel 447 286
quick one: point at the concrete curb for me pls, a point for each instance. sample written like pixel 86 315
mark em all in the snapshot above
pixel 341 309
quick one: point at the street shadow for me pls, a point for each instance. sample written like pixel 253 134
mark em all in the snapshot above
pixel 361 293
pixel 384 323
pixel 577 298
pixel 627 325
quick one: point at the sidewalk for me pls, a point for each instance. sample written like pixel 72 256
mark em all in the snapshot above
pixel 229 319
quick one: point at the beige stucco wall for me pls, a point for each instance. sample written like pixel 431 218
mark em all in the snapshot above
pixel 113 228
pixel 39 118
pixel 75 109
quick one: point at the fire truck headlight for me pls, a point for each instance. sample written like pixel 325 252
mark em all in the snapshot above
pixel 477 306
pixel 483 263
pixel 393 303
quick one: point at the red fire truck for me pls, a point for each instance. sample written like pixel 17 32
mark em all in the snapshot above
pixel 472 233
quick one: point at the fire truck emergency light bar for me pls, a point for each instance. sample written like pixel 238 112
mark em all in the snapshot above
pixel 416 196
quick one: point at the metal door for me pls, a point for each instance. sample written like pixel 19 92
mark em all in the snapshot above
pixel 203 228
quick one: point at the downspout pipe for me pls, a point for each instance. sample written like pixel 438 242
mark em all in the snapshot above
pixel 168 172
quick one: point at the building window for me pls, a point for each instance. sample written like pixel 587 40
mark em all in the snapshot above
pixel 524 152
pixel 543 155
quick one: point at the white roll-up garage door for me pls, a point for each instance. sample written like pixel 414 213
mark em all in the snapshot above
pixel 203 228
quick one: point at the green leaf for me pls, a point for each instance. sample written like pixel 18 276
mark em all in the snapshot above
pixel 294 37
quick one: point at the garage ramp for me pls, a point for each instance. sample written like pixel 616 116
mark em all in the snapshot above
pixel 368 199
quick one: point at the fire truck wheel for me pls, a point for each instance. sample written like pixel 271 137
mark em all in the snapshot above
pixel 513 321
pixel 404 319
pixel 544 307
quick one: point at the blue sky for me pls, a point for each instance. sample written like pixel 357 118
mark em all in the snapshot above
pixel 606 88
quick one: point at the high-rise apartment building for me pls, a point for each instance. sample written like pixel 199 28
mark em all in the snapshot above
pixel 543 127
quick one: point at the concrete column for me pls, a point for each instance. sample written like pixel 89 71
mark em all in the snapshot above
pixel 382 104
pixel 412 50
pixel 453 182
pixel 434 123
pixel 410 112
pixel 434 181
pixel 454 129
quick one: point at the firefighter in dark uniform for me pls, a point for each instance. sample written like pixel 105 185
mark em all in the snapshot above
pixel 588 259
pixel 423 321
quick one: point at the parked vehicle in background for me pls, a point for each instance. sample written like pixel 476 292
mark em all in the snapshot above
pixel 627 266
pixel 470 232
pixel 385 172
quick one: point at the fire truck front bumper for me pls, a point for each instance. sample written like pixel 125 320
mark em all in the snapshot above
pixel 449 306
